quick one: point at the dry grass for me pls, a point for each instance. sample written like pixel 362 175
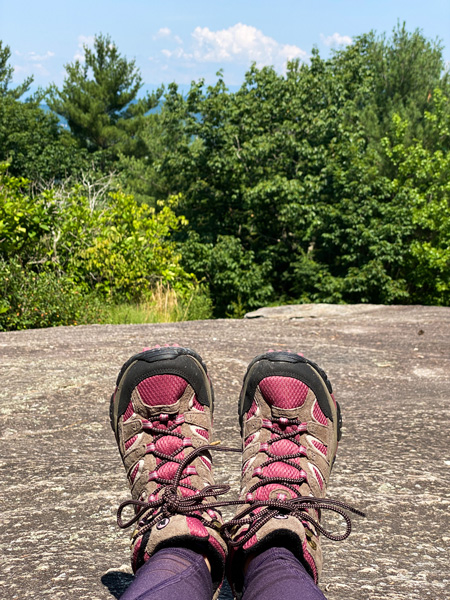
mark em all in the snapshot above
pixel 163 305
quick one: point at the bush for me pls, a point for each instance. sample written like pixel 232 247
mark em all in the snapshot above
pixel 35 300
pixel 102 240
pixel 237 282
pixel 195 304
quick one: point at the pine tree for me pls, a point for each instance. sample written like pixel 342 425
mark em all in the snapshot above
pixel 99 99
pixel 6 73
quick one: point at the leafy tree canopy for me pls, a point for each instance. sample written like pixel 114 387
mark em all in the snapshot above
pixel 31 138
pixel 295 169
pixel 326 183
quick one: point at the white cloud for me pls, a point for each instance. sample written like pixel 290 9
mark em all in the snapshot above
pixel 41 57
pixel 237 44
pixel 166 33
pixel 241 42
pixel 33 56
pixel 31 63
pixel 27 69
pixel 83 40
pixel 177 53
pixel 163 32
pixel 336 40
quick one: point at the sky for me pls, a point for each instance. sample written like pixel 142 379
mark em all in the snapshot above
pixel 186 40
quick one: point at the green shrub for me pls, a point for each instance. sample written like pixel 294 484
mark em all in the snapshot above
pixel 237 282
pixel 34 300
pixel 195 304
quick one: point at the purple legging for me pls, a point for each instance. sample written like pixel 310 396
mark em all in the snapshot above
pixel 178 573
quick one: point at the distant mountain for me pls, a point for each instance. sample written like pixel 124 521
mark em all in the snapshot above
pixel 146 88
pixel 149 88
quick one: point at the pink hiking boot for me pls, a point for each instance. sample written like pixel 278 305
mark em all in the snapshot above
pixel 161 414
pixel 290 427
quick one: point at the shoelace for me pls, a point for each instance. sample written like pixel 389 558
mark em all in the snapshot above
pixel 150 513
pixel 297 428
pixel 158 433
pixel 297 506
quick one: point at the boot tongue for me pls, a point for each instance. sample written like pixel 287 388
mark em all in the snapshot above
pixel 274 491
pixel 283 447
pixel 289 468
pixel 278 491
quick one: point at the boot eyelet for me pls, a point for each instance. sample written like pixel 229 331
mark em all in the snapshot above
pixel 162 523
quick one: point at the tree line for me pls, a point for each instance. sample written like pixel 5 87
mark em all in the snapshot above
pixel 328 183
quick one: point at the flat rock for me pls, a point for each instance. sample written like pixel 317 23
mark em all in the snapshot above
pixel 315 311
pixel 62 477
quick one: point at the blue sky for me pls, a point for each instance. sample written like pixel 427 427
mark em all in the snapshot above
pixel 179 40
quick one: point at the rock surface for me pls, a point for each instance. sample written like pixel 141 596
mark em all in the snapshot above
pixel 314 311
pixel 62 478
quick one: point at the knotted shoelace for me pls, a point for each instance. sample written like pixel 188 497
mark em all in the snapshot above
pixel 150 513
pixel 276 507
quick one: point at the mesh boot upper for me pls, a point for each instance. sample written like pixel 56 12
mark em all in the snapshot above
pixel 289 445
pixel 163 431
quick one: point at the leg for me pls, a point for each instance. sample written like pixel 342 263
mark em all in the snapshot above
pixel 172 574
pixel 276 573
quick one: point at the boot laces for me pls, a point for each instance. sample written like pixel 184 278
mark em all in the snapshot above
pixel 166 500
pixel 258 512
pixel 171 502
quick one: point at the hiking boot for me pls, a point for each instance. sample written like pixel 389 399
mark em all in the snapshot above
pixel 290 426
pixel 161 414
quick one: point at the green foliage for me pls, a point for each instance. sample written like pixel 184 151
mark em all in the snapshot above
pixel 196 304
pixel 34 144
pixel 163 305
pixel 31 140
pixel 23 222
pixel 236 282
pixel 30 299
pixel 99 100
pixel 128 248
pixel 423 182
pixel 6 74
pixel 108 243
pixel 294 170
pixel 404 72
pixel 86 240
pixel 328 183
